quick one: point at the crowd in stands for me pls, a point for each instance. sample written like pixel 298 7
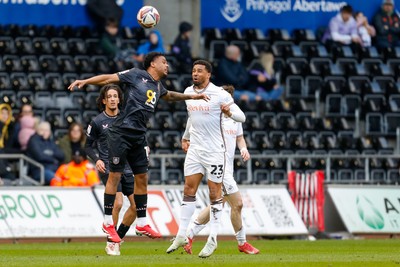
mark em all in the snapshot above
pixel 260 79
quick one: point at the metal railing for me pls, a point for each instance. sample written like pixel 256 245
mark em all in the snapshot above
pixel 23 168
pixel 289 162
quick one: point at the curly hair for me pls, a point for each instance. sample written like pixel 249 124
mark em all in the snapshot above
pixel 103 95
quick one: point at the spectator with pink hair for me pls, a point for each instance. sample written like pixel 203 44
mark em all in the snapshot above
pixel 27 130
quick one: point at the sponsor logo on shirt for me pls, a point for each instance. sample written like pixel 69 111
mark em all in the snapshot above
pixel 198 108
pixel 151 98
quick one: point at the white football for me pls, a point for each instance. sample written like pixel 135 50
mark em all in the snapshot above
pixel 148 17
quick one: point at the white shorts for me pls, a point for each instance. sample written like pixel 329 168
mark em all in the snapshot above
pixel 229 184
pixel 211 165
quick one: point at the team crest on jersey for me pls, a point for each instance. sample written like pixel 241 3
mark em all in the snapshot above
pixel 115 160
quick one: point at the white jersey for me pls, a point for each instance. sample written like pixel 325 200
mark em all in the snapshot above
pixel 206 132
pixel 232 130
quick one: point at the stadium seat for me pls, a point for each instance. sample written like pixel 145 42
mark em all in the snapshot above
pixel 101 64
pixel 48 63
pixel 5 82
pixel 54 81
pixel 24 97
pixel 76 46
pixel 154 176
pixel 393 176
pixel 294 86
pixel 394 102
pixel 313 50
pixel 278 176
pixel 376 67
pixel 37 81
pixel 282 49
pixel 54 117
pixel 217 49
pixel 333 105
pixel 253 34
pixel 12 63
pixel 345 176
pixel 23 46
pixel 261 177
pixel 7 45
pixel 374 103
pixel 66 64
pixel 392 122
pixel 172 139
pixel 378 176
pixel 8 97
pixel 180 119
pixel 260 46
pixel 351 103
pixel 88 116
pixel 63 100
pixel 30 64
pixel 311 86
pixel 211 34
pixel 93 47
pixel 304 35
pixel 374 124
pixel 173 176
pixel 232 34
pixel 19 81
pixel 241 177
pixel 83 64
pixel 297 66
pixel 59 46
pixel 279 35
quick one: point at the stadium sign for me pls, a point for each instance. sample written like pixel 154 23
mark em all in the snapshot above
pixel 370 209
pixel 49 213
pixel 277 14
pixel 57 12
pixel 266 211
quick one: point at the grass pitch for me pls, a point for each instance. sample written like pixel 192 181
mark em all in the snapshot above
pixel 329 253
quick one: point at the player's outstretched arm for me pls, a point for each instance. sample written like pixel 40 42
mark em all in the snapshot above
pixel 234 112
pixel 101 80
pixel 175 96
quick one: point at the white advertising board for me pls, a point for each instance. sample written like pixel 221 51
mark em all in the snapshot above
pixel 266 211
pixel 49 212
pixel 368 209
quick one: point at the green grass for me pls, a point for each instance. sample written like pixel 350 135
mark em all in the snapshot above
pixel 329 253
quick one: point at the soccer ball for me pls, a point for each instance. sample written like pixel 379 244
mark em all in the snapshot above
pixel 148 17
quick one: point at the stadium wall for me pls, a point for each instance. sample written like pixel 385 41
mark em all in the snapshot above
pixel 27 212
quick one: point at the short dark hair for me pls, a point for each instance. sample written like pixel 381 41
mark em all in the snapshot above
pixel 205 63
pixel 346 9
pixel 103 95
pixel 150 57
pixel 229 88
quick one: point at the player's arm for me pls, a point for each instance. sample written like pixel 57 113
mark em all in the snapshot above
pixel 241 144
pixel 186 136
pixel 175 96
pixel 234 112
pixel 91 141
pixel 101 80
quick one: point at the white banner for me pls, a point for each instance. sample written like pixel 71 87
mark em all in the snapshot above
pixel 368 209
pixel 50 212
pixel 266 211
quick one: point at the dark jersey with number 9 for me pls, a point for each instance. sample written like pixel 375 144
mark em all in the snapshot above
pixel 141 95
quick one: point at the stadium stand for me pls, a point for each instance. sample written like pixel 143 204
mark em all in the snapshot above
pixel 340 107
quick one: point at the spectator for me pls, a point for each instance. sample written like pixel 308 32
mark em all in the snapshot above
pixel 263 80
pixel 181 47
pixel 73 141
pixel 154 44
pixel 387 26
pixel 102 10
pixel 6 133
pixel 44 150
pixel 231 71
pixel 27 129
pixel 365 31
pixel 26 110
pixel 6 126
pixel 78 172
pixel 342 28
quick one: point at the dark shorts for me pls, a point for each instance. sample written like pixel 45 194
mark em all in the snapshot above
pixel 126 184
pixel 128 146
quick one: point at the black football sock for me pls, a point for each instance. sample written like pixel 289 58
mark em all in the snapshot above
pixel 141 205
pixel 122 230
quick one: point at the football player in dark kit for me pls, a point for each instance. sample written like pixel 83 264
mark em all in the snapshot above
pixel 108 102
pixel 127 136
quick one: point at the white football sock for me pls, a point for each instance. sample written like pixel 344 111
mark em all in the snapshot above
pixel 108 220
pixel 215 218
pixel 142 221
pixel 187 210
pixel 241 236
pixel 195 229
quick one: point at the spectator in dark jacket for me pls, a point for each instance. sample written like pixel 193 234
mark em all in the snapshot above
pixel 231 71
pixel 44 150
pixel 387 26
pixel 181 48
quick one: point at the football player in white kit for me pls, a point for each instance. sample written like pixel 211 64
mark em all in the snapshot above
pixel 206 155
pixel 233 135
